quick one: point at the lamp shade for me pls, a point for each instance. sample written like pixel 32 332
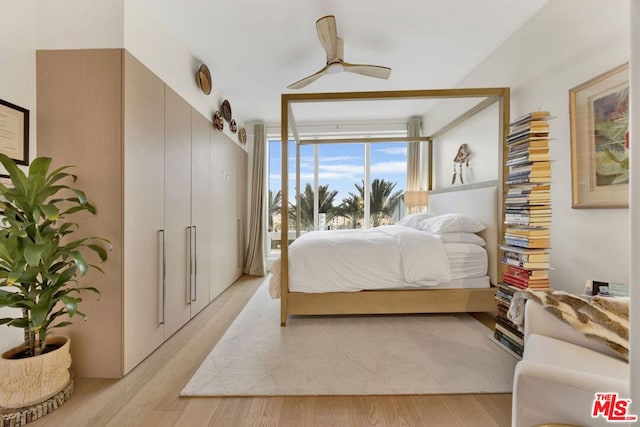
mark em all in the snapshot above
pixel 415 198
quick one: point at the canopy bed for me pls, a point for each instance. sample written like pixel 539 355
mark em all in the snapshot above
pixel 433 290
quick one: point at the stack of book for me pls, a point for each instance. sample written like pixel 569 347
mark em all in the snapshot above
pixel 527 207
pixel 505 332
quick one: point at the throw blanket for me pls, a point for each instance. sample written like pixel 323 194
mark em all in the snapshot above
pixel 384 257
pixel 599 318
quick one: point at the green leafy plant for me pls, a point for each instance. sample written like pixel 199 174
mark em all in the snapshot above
pixel 39 260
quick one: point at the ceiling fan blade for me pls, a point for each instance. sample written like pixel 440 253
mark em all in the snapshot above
pixel 308 80
pixel 328 36
pixel 376 71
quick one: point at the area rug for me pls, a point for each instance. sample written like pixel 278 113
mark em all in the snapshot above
pixel 351 355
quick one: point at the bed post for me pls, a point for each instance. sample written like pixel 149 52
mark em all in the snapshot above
pixel 505 112
pixel 284 212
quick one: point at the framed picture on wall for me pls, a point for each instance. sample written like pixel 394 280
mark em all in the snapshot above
pixel 599 115
pixel 14 132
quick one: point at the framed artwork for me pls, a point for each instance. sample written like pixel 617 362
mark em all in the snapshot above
pixel 599 114
pixel 14 132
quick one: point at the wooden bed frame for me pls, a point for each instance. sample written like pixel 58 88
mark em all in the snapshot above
pixel 395 301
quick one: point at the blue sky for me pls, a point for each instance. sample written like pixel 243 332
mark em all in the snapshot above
pixel 341 165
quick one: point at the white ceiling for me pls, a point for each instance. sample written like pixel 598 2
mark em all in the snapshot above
pixel 255 48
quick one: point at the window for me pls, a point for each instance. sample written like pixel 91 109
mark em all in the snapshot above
pixel 388 182
pixel 358 185
pixel 341 169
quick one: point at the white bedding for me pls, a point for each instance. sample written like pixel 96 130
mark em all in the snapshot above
pixel 353 260
pixel 466 283
pixel 466 260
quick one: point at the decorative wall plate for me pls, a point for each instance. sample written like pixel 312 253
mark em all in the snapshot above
pixel 203 77
pixel 242 136
pixel 217 120
pixel 226 110
pixel 233 126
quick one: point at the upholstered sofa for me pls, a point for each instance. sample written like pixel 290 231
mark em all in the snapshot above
pixel 561 371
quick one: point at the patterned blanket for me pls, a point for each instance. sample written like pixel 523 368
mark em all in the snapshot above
pixel 599 318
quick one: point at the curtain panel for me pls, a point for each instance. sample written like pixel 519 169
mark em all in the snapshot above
pixel 255 259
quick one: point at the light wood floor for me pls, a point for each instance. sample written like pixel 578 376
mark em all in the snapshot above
pixel 149 395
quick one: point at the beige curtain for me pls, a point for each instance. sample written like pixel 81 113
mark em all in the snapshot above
pixel 413 155
pixel 255 264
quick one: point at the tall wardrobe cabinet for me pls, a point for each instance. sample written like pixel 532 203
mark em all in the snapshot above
pixel 143 156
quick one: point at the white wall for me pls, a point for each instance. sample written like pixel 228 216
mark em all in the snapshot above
pixel 149 40
pixel 566 43
pixel 481 134
pixel 634 353
pixel 79 24
pixel 18 86
pixel 17 58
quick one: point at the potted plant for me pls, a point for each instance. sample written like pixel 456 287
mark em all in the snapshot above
pixel 40 263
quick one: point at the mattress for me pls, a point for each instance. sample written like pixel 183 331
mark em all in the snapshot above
pixel 367 260
pixel 468 266
pixel 466 260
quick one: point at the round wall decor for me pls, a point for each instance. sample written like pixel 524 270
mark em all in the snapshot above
pixel 233 126
pixel 203 77
pixel 242 135
pixel 226 110
pixel 217 120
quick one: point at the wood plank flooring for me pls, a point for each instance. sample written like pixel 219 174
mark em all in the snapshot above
pixel 149 395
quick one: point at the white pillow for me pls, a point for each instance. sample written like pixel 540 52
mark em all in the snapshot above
pixel 413 220
pixel 461 237
pixel 451 223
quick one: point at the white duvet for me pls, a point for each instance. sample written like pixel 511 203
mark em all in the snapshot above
pixel 384 257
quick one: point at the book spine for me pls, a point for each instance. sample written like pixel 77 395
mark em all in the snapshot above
pixel 509 331
pixel 514 347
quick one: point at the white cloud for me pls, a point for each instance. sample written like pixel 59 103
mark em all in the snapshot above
pixel 399 150
pixel 389 167
pixel 341 172
pixel 327 159
pixel 346 172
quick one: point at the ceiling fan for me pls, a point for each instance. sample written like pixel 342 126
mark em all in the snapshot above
pixel 334 47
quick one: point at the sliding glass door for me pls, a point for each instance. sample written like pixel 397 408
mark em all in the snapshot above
pixel 388 182
pixel 342 186
pixel 341 167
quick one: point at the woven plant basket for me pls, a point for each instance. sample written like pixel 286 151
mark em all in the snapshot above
pixel 32 380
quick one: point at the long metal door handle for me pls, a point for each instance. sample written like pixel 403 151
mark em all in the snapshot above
pixel 194 292
pixel 190 264
pixel 162 277
pixel 240 246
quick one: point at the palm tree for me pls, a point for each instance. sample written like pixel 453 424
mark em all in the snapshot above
pixel 352 209
pixel 325 200
pixel 382 201
pixel 275 199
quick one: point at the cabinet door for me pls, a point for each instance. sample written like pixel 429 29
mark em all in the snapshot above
pixel 200 210
pixel 177 210
pixel 143 211
pixel 86 131
pixel 241 207
pixel 224 246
